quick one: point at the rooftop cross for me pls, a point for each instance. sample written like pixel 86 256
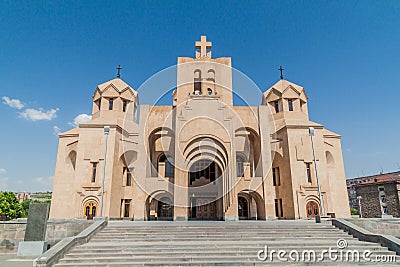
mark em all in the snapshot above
pixel 203 45
pixel 281 69
pixel 119 71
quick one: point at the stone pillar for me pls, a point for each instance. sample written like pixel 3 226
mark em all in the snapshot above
pixel 232 214
pixel 246 167
pixel 181 198
pixel 139 201
pixel 161 169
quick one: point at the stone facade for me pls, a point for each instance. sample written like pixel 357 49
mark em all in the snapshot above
pixel 12 232
pixel 200 158
pixel 372 205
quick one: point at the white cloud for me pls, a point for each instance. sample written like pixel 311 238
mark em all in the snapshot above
pixel 56 130
pixel 81 118
pixel 2 170
pixel 14 103
pixel 38 114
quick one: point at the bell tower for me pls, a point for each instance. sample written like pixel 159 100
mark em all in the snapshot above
pixel 204 77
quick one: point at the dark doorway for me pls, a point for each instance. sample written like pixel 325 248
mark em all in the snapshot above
pixel 164 209
pixel 243 208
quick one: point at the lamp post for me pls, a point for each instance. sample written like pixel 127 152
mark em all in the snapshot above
pixel 311 132
pixel 106 132
pixel 359 205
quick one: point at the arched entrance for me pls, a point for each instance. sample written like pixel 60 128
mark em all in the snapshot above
pixel 203 191
pixel 312 209
pixel 159 206
pixel 250 206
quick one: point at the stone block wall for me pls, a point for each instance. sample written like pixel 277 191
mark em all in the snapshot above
pixel 370 203
pixel 12 232
pixel 379 226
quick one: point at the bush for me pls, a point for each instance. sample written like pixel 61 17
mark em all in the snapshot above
pixel 10 205
pixel 354 211
pixel 25 207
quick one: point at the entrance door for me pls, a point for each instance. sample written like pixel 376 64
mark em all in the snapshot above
pixel 312 209
pixel 205 210
pixel 164 209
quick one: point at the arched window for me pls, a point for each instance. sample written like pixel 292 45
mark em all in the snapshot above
pixel 210 81
pixel 72 158
pixel 90 208
pixel 197 82
pixel 87 212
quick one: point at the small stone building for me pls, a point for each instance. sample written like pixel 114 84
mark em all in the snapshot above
pixel 379 195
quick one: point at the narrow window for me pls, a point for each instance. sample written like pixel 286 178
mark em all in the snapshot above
pixel 276 103
pixel 169 168
pixel 239 166
pixel 98 103
pixel 385 210
pixel 94 211
pixel 87 211
pixel 278 208
pixel 94 170
pixel 124 105
pixel 127 207
pixel 110 103
pixel 197 82
pixel 308 168
pixel 129 176
pixel 276 176
pixel 290 103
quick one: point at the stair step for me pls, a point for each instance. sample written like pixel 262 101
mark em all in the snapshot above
pixel 210 249
pixel 211 244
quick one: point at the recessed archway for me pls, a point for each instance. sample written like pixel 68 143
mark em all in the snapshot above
pixel 250 206
pixel 159 206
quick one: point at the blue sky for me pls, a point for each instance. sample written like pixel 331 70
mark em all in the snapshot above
pixel 53 54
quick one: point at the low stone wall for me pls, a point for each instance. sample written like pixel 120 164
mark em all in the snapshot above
pixel 12 232
pixel 379 226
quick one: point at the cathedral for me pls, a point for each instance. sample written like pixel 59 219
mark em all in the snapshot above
pixel 201 158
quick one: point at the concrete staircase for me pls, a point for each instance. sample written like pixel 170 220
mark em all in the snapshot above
pixel 207 243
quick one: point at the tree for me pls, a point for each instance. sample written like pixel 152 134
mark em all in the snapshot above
pixel 25 207
pixel 10 205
